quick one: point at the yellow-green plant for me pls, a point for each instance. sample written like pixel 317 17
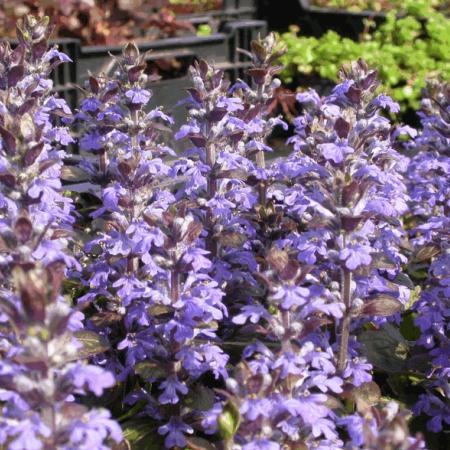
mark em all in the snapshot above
pixel 406 51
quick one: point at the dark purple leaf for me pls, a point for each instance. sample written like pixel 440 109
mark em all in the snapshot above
pixel 203 68
pixel 26 106
pixel 9 142
pixel 195 94
pixel 15 74
pixel 354 94
pixel 32 290
pixel 342 127
pixel 216 115
pixel 135 72
pixel 32 154
pixel 258 50
pixel 130 52
pixel 8 179
pixel 23 229
pixel 93 83
pixel 198 140
pixel 258 75
pixel 39 48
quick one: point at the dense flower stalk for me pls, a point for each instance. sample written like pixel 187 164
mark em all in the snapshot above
pixel 40 368
pixel 429 178
pixel 31 150
pixel 350 194
pixel 40 371
pixel 150 281
pixel 256 98
pixel 343 194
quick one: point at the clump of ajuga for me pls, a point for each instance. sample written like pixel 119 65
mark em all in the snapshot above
pixel 149 279
pixel 41 374
pixel 31 151
pixel 343 195
pixel 429 176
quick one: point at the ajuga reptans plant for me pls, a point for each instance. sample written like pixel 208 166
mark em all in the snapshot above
pixel 41 370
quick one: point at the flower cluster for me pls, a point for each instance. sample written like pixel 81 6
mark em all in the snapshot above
pixel 429 176
pixel 231 301
pixel 34 133
pixel 41 372
pixel 349 193
pixel 343 194
pixel 149 280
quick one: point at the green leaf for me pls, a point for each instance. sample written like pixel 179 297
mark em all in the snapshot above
pixel 366 395
pixel 229 420
pixel 196 443
pixel 93 343
pixel 200 397
pixel 382 305
pixel 74 174
pixel 408 328
pixel 403 280
pixel 148 369
pixel 386 348
pixel 142 435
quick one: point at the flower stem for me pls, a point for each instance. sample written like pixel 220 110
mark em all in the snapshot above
pixel 260 157
pixel 345 323
pixel 262 185
pixel 211 192
pixel 174 285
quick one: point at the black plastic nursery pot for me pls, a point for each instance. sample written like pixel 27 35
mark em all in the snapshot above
pixel 347 23
pixel 230 10
pixel 170 57
pixel 313 20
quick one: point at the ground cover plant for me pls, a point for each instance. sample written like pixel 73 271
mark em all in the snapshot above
pixel 405 51
pixel 219 298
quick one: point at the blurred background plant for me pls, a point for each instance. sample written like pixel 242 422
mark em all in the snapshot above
pixel 100 22
pixel 406 51
pixel 380 5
